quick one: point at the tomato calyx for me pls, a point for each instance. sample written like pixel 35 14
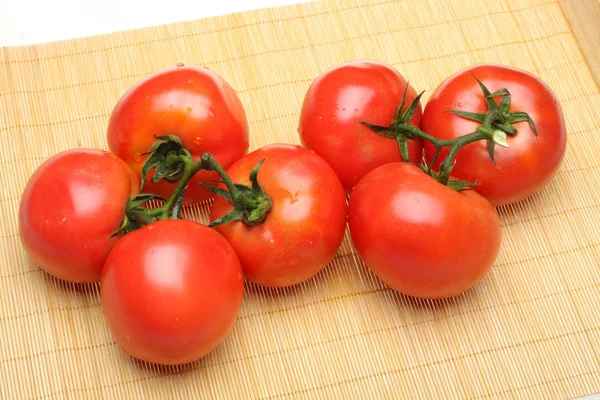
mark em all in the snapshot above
pixel 171 162
pixel 251 203
pixel 496 124
pixel 400 123
pixel 498 117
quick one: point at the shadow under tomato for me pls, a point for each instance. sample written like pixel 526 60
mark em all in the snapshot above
pixel 69 288
pixel 217 356
pixel 278 292
pixel 405 302
pixel 160 369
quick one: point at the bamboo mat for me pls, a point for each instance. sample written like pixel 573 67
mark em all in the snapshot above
pixel 530 329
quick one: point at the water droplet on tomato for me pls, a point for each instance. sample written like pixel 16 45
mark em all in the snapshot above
pixel 150 227
pixel 189 110
pixel 176 319
pixel 294 198
pixel 127 337
pixel 271 240
pixel 198 140
pixel 211 114
pixel 170 105
pixel 333 118
pixel 191 81
pixel 123 137
pixel 64 219
pixel 180 64
pixel 137 158
pixel 356 110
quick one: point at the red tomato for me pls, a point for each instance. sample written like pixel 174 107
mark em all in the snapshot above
pixel 193 103
pixel 529 162
pixel 171 291
pixel 71 205
pixel 420 237
pixel 334 107
pixel 305 226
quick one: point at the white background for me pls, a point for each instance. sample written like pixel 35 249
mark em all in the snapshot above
pixel 25 22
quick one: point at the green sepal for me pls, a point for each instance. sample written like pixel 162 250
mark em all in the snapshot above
pixel 501 92
pixel 251 203
pixel 491 147
pixel 400 128
pixel 491 103
pixel 456 185
pixel 469 115
pixel 217 190
pixel 403 146
pixel 165 159
pixel 234 215
pixel 136 215
pixel 519 116
pixel 508 129
pixel 462 185
pixel 410 110
pixel 256 187
pixel 386 131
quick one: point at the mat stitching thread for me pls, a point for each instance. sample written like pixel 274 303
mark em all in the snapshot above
pixel 39 158
pixel 427 365
pixel 352 336
pixel 303 17
pixel 340 256
pixel 105 115
pixel 242 91
pixel 268 354
pixel 552 214
pixel 535 385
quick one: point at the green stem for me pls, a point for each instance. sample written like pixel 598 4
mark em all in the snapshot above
pixel 251 203
pixel 209 163
pixel 189 171
pixel 456 144
pixel 173 163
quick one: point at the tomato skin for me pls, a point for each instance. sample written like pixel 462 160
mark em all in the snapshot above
pixel 70 207
pixel 421 238
pixel 171 291
pixel 529 163
pixel 305 225
pixel 334 107
pixel 193 103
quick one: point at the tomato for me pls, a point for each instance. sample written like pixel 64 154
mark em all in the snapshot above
pixel 190 102
pixel 70 207
pixel 420 237
pixel 529 162
pixel 171 291
pixel 305 226
pixel 334 107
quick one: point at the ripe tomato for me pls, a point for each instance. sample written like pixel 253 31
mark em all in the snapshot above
pixel 193 103
pixel 529 162
pixel 334 107
pixel 71 205
pixel 171 291
pixel 305 226
pixel 420 237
